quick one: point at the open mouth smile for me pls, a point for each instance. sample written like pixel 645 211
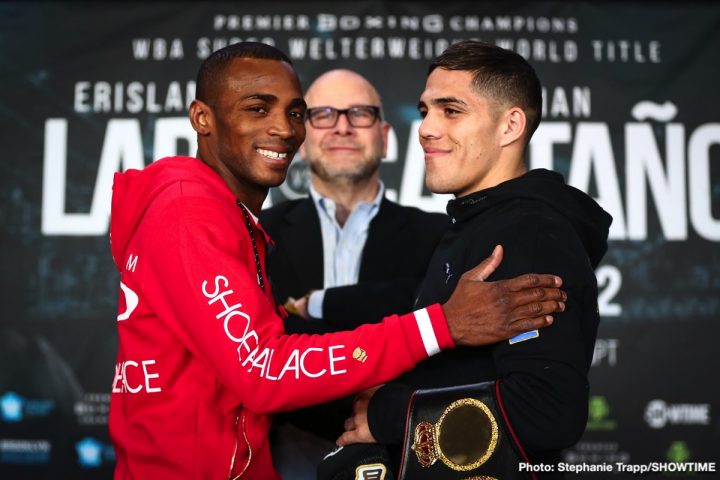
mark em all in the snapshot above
pixel 271 154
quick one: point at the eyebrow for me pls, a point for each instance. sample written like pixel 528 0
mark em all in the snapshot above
pixel 298 102
pixel 270 98
pixel 265 97
pixel 442 101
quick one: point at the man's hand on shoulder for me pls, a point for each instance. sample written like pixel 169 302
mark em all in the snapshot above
pixel 482 313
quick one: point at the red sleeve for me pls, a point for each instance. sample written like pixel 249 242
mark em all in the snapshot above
pixel 200 278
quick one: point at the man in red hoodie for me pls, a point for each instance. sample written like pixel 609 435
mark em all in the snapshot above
pixel 203 361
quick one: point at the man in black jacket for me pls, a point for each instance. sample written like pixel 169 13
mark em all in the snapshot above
pixel 346 254
pixel 480 107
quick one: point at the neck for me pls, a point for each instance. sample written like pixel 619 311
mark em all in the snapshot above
pixel 253 201
pixel 347 193
pixel 502 173
pixel 251 195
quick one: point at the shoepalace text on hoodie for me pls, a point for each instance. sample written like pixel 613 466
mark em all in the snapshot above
pixel 202 358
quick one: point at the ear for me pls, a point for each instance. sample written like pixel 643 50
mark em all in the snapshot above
pixel 385 132
pixel 512 126
pixel 201 117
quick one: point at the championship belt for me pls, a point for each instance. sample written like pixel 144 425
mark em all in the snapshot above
pixel 460 433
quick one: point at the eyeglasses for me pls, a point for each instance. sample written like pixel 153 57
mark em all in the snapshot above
pixel 360 116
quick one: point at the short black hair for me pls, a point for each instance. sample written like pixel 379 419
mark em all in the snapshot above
pixel 211 71
pixel 498 74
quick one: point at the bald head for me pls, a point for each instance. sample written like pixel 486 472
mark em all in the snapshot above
pixel 333 85
pixel 344 156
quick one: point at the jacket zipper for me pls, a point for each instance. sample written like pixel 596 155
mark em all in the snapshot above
pixel 247 442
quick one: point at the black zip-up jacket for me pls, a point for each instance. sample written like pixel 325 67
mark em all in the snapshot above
pixel 544 226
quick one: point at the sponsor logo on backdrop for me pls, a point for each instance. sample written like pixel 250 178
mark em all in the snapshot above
pixel 297 180
pixel 11 406
pixel 16 408
pixel 659 414
pixel 678 452
pixel 24 452
pixel 596 453
pixel 599 418
pixel 93 453
pixel 93 409
pixel 89 452
pixel 606 352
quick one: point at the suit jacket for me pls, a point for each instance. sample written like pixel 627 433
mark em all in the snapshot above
pixel 399 245
pixel 400 242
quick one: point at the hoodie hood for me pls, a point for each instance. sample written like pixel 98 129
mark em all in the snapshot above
pixel 134 191
pixel 589 220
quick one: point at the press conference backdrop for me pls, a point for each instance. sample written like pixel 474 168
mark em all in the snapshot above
pixel 631 89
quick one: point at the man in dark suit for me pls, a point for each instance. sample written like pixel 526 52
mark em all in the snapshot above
pixel 346 246
pixel 345 254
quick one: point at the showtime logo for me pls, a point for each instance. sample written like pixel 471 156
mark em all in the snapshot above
pixel 658 414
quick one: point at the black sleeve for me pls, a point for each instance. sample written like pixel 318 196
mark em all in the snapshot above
pixel 387 412
pixel 345 308
pixel 544 384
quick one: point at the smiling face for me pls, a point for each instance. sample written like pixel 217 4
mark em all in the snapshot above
pixel 344 152
pixel 250 129
pixel 461 134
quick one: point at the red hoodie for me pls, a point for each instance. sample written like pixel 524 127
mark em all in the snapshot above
pixel 202 357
